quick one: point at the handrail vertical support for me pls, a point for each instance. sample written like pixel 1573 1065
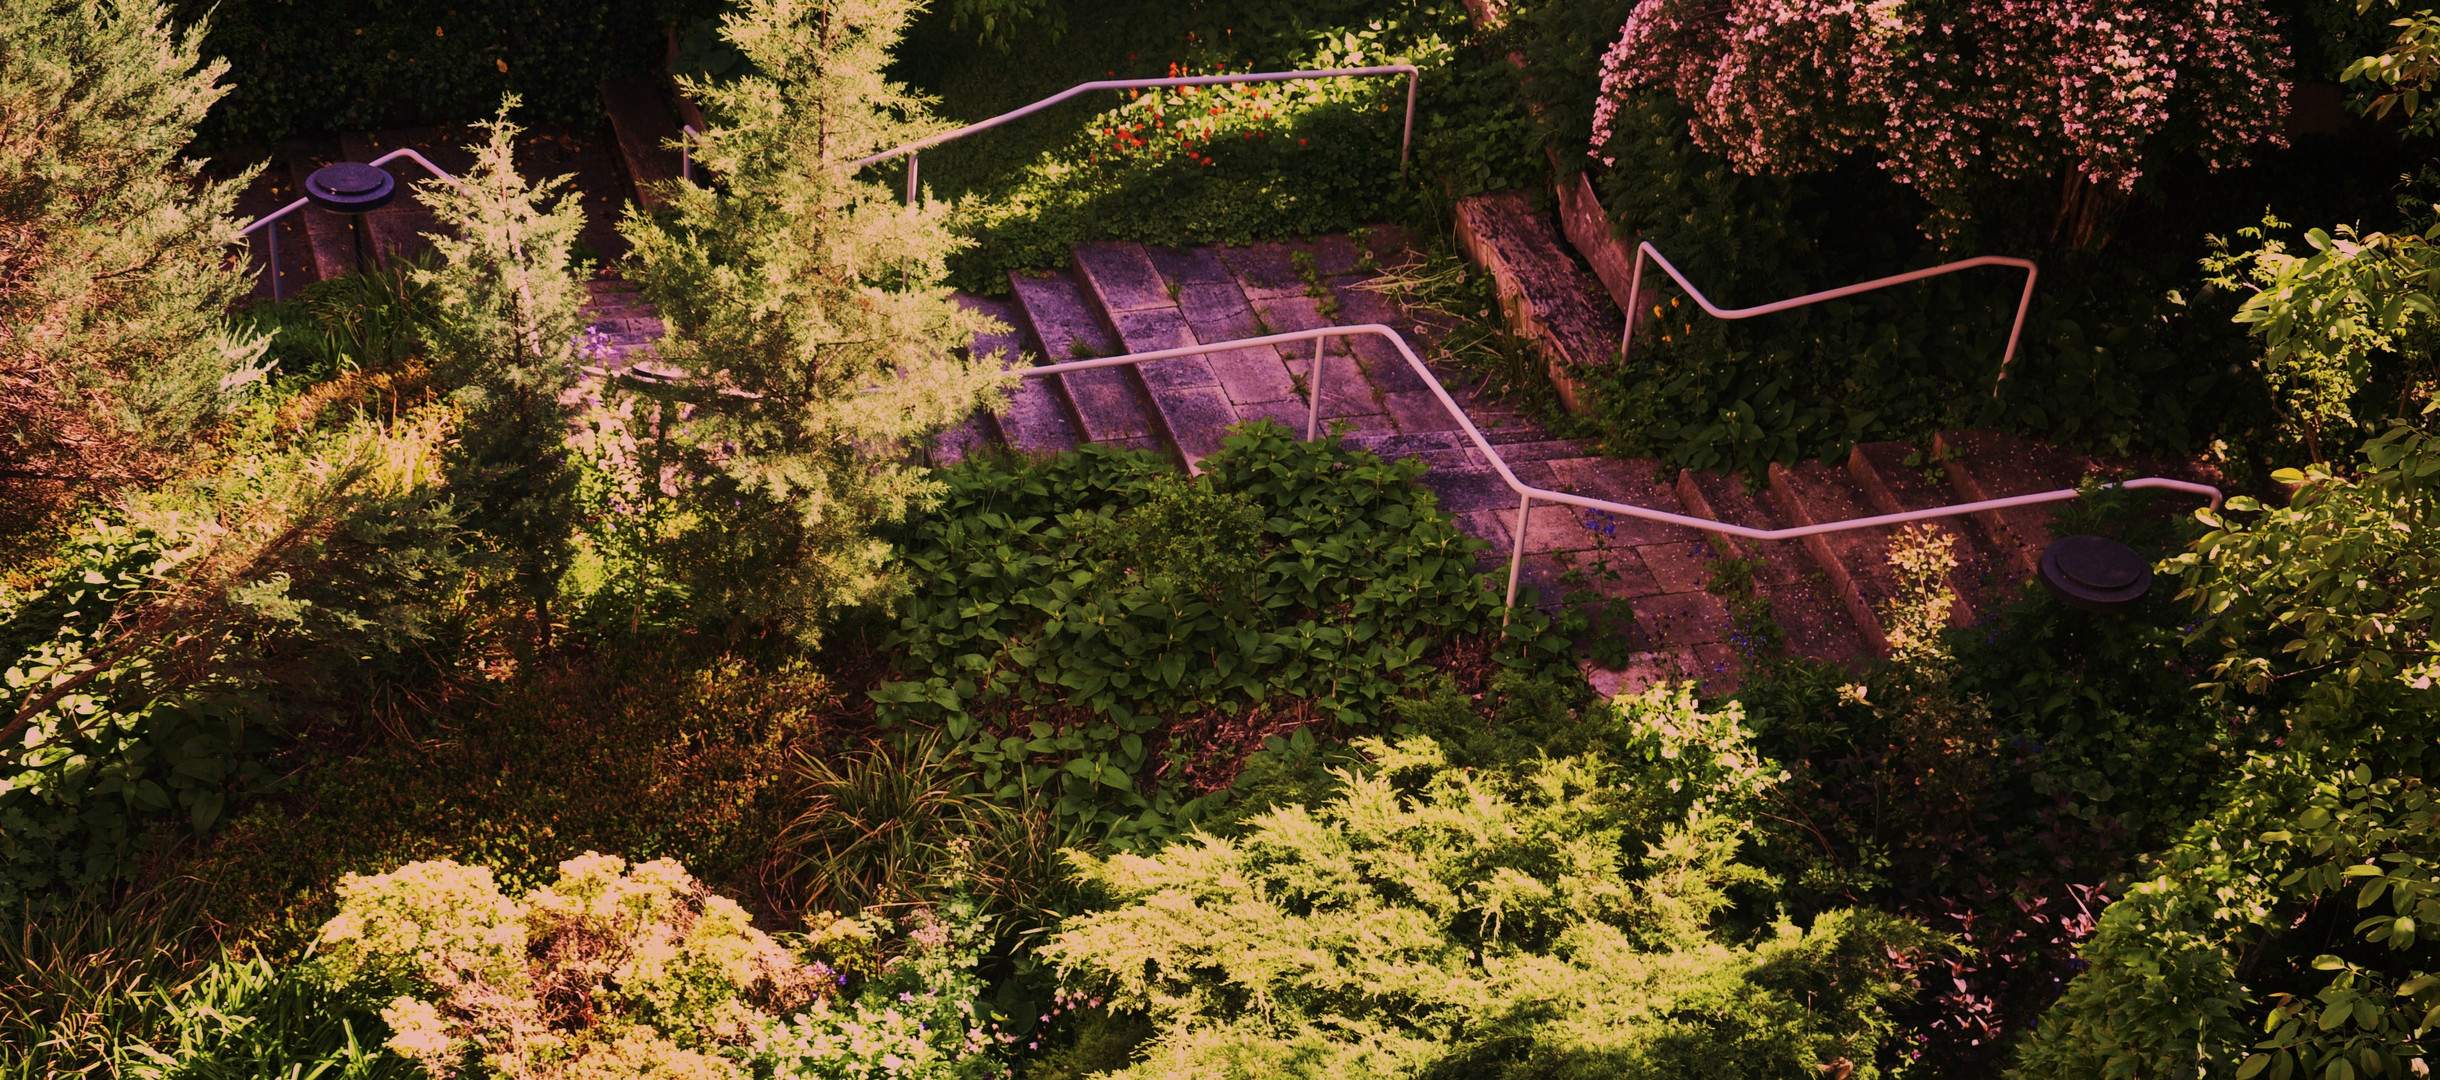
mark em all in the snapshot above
pixel 1516 554
pixel 911 180
pixel 1406 142
pixel 2024 303
pixel 1635 295
pixel 1313 413
pixel 274 236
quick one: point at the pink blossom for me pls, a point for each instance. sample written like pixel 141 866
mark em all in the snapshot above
pixel 1951 93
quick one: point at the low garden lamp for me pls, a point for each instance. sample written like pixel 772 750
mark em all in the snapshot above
pixel 2095 573
pixel 354 189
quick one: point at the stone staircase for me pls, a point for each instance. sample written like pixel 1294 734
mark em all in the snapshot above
pixel 1563 277
pixel 1827 593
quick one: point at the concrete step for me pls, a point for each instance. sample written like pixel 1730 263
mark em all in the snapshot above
pixel 1647 579
pixel 1453 449
pixel 1033 419
pixel 645 130
pixel 1983 465
pixel 1803 601
pixel 1984 578
pixel 1296 285
pixel 1856 560
pixel 1550 301
pixel 1061 322
pixel 1141 305
pixel 1257 383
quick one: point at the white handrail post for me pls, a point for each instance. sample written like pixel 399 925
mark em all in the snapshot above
pixel 1313 410
pixel 275 264
pixel 910 179
pixel 1406 142
pixel 2024 303
pixel 1516 554
pixel 1527 493
pixel 1635 292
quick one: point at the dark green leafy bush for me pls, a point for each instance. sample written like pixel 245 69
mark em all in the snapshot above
pixel 144 673
pixel 2002 790
pixel 1101 633
pixel 1195 166
pixel 2288 933
pixel 308 69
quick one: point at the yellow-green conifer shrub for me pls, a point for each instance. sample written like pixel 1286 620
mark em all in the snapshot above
pixel 508 315
pixel 116 271
pixel 1434 921
pixel 806 308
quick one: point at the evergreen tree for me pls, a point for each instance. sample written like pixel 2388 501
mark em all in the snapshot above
pixel 509 312
pixel 807 312
pixel 116 269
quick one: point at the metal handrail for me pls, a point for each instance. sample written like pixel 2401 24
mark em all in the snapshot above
pixel 1527 493
pixel 273 263
pixel 1405 143
pixel 1635 284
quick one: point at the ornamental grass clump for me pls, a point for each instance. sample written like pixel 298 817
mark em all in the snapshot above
pixel 1431 920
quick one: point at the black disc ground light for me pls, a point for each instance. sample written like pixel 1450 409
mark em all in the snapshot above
pixel 351 188
pixel 2095 573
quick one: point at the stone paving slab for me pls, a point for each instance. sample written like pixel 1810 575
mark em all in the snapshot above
pixel 1344 390
pixel 1254 376
pixel 1419 411
pixel 1266 271
pixel 1104 403
pixel 1032 419
pixel 1189 266
pixel 1121 275
pixel 1199 417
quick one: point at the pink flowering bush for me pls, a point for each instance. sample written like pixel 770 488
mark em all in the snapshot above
pixel 1953 96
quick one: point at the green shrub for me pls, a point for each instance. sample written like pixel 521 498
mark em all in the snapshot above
pixel 807 313
pixel 618 970
pixel 2284 933
pixel 1549 919
pixel 302 70
pixel 1067 661
pixel 352 322
pixel 661 747
pixel 114 341
pixel 145 675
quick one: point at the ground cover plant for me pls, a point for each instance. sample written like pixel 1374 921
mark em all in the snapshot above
pixel 1108 636
pixel 1210 165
